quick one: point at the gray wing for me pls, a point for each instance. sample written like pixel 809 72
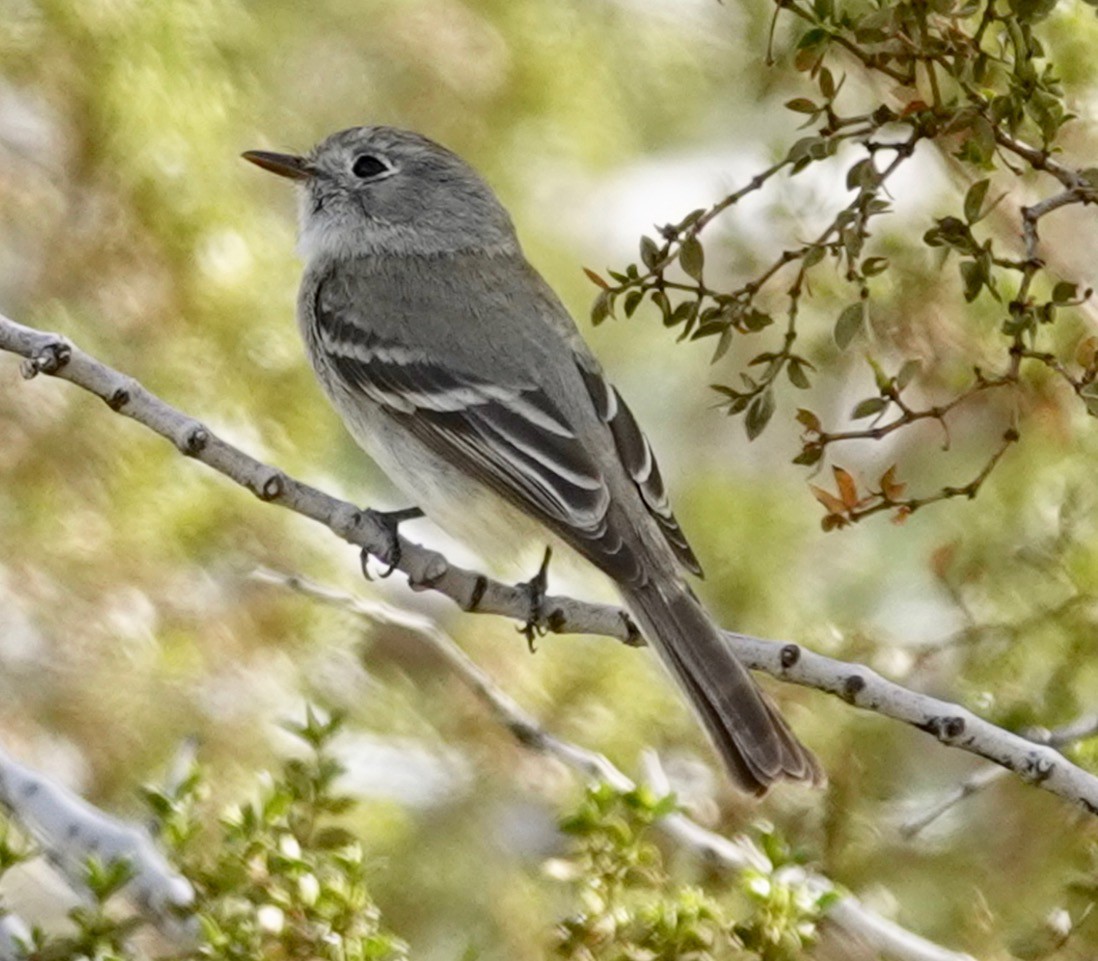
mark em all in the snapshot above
pixel 637 458
pixel 510 436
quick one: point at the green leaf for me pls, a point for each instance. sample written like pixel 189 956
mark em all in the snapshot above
pixel 600 310
pixel 632 300
pixel 755 320
pixel 801 105
pixel 907 372
pixel 649 252
pixel 759 412
pixel 814 256
pixel 869 407
pixel 723 344
pixel 974 200
pixel 692 257
pixel 1065 292
pixel 797 377
pixel 849 324
pixel 973 277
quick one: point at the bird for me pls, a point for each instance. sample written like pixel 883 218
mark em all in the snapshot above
pixel 459 371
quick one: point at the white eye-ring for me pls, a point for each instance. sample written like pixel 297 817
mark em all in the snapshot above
pixel 368 167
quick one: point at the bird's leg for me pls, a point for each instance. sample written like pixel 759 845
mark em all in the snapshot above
pixel 390 521
pixel 535 592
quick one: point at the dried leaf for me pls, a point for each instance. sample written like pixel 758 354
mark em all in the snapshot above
pixel 595 278
pixel 848 489
pixel 829 500
pixel 891 489
pixel 808 419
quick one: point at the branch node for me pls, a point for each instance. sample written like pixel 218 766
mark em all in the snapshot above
pixel 945 729
pixel 1039 768
pixel 194 441
pixel 790 655
pixel 480 585
pixel 119 399
pixel 852 687
pixel 432 570
pixel 272 487
pixel 633 636
pixel 555 620
pixel 49 360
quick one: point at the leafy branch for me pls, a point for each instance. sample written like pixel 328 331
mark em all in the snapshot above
pixel 974 81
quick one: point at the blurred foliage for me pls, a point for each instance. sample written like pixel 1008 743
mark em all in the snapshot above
pixel 281 877
pixel 127 616
pixel 633 909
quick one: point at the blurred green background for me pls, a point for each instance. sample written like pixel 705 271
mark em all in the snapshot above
pixel 128 616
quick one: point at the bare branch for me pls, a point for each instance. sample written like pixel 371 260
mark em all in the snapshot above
pixel 70 831
pixel 1078 730
pixel 949 723
pixel 730 854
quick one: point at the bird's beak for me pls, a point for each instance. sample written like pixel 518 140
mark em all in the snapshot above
pixel 283 164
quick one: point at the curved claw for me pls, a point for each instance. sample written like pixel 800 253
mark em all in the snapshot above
pixel 535 590
pixel 390 521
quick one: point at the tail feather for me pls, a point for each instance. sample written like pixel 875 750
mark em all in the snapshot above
pixel 752 738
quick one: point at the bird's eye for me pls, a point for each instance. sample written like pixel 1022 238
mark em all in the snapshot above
pixel 366 166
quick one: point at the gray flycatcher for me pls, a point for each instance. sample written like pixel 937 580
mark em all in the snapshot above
pixel 455 366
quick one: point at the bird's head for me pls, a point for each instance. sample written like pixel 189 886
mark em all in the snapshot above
pixel 380 190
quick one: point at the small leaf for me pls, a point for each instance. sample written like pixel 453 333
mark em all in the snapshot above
pixel 723 343
pixel 600 310
pixel 907 373
pixel 869 407
pixel 797 377
pixel 829 500
pixel 814 256
pixel 973 277
pixel 827 83
pixel 755 320
pixel 809 420
pixel 649 252
pixel 595 278
pixel 872 266
pixel 759 413
pixel 848 490
pixel 632 300
pixel 809 456
pixel 974 200
pixel 1065 292
pixel 692 257
pixel 849 324
pixel 801 105
pixel 889 486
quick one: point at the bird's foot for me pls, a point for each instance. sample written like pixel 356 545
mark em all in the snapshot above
pixel 390 521
pixel 535 625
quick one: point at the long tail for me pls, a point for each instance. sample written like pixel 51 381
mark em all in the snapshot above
pixel 750 735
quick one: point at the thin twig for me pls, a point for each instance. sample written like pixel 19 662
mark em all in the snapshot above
pixel 1078 730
